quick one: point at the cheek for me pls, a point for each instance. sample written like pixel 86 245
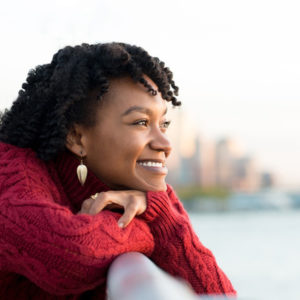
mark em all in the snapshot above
pixel 130 149
pixel 125 144
pixel 116 153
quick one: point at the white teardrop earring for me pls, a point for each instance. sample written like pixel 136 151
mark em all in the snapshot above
pixel 82 171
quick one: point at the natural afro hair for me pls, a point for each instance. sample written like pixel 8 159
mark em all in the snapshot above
pixel 56 95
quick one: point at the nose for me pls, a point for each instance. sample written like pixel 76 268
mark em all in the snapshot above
pixel 160 142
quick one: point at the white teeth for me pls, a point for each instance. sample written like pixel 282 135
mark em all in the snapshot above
pixel 151 164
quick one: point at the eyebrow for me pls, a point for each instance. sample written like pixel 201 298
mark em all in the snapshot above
pixel 140 109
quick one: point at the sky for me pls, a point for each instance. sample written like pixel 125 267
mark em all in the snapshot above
pixel 237 63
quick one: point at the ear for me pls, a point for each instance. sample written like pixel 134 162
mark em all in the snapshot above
pixel 74 141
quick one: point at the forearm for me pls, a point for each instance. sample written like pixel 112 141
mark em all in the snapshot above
pixel 64 253
pixel 178 249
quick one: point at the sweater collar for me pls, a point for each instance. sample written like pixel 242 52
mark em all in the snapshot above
pixel 66 165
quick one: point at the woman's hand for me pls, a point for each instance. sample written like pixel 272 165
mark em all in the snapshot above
pixel 133 202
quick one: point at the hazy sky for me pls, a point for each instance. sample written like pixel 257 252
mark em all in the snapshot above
pixel 237 62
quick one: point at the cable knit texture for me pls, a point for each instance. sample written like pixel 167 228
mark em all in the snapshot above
pixel 47 251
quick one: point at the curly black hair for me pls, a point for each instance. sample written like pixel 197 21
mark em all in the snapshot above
pixel 56 96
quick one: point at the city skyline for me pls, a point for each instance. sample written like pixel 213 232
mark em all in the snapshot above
pixel 198 160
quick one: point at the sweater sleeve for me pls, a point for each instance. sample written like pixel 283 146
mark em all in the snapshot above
pixel 177 248
pixel 61 252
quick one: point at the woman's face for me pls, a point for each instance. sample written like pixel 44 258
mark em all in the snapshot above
pixel 128 146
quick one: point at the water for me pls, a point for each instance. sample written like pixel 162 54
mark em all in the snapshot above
pixel 259 251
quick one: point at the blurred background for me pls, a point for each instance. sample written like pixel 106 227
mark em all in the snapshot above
pixel 235 161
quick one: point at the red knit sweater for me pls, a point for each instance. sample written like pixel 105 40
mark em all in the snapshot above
pixel 47 251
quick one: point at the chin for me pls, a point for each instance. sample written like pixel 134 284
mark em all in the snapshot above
pixel 145 186
pixel 157 187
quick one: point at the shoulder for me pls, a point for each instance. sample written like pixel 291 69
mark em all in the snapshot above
pixel 21 170
pixel 14 158
pixel 9 152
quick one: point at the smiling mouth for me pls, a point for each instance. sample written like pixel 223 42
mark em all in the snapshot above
pixel 151 164
pixel 154 166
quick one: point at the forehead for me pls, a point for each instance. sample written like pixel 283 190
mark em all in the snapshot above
pixel 124 93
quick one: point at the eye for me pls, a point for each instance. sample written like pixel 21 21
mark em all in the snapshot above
pixel 165 124
pixel 143 122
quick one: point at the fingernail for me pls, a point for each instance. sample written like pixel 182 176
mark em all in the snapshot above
pixel 121 224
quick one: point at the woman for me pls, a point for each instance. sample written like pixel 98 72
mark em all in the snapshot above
pixel 82 158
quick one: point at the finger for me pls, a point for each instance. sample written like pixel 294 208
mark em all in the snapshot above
pixel 99 203
pixel 86 206
pixel 129 214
